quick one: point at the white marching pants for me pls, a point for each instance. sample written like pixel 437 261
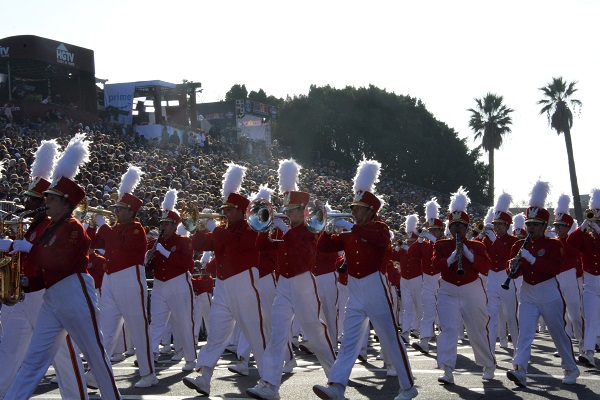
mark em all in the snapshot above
pixel 369 301
pixel 570 291
pixel 70 306
pixel 591 310
pixel 328 294
pixel 412 303
pixel 545 300
pixel 174 299
pixel 501 301
pixel 20 323
pixel 458 304
pixel 202 304
pixel 429 299
pixel 124 296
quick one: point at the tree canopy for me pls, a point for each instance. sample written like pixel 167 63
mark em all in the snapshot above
pixel 345 125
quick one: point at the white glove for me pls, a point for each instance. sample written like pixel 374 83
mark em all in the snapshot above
pixel 488 227
pixel 85 226
pixel 528 256
pixel 397 248
pixel 342 223
pixel 420 240
pixel 429 237
pixel 279 224
pixel 468 254
pixel 5 244
pixel 596 227
pixel 452 258
pixel 491 235
pixel 404 247
pixel 211 225
pixel 99 219
pixel 161 249
pixel 480 236
pixel 205 258
pixel 584 225
pixel 22 246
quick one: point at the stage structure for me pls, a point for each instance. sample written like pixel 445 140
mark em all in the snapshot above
pixel 237 118
pixel 39 74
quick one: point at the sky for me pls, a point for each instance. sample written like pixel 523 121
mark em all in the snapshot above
pixel 445 53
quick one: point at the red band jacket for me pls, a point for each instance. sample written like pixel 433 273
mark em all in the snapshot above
pixel 548 255
pixel 234 247
pixel 480 265
pixel 364 246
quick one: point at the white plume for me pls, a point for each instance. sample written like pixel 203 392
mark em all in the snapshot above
pixel 170 200
pixel 45 159
pixel 75 155
pixel 595 199
pixel 538 194
pixel 489 217
pixel 562 205
pixel 130 180
pixel 288 175
pixel 367 175
pixel 503 202
pixel 411 223
pixel 264 192
pixel 459 201
pixel 2 166
pixel 432 209
pixel 232 180
pixel 519 221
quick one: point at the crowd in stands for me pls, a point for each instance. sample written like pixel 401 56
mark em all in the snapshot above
pixel 195 171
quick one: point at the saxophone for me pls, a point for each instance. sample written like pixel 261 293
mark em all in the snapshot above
pixel 12 279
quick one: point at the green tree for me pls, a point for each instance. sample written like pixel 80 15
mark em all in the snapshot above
pixel 557 99
pixel 260 96
pixel 345 125
pixel 237 92
pixel 490 121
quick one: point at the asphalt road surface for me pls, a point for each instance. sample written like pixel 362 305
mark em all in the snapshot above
pixel 368 380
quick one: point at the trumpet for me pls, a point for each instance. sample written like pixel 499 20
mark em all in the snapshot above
pixel 84 213
pixel 192 219
pixel 332 217
pixel 590 216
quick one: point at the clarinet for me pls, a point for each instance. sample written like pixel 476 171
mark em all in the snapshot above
pixel 514 264
pixel 152 251
pixel 459 254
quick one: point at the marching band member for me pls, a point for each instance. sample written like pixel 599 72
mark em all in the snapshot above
pixel 411 281
pixel 324 270
pixel 267 264
pixel 124 289
pixel 296 294
pixel 431 275
pixel 462 296
pixel 203 287
pixel 502 304
pixel 21 321
pixel 567 278
pixel 171 257
pixel 70 303
pixel 365 247
pixel 586 239
pixel 539 262
pixel 236 299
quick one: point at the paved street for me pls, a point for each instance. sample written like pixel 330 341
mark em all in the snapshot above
pixel 368 380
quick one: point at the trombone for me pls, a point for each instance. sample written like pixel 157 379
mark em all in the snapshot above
pixel 192 219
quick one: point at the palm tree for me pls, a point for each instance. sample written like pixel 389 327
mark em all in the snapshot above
pixel 556 105
pixel 490 121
